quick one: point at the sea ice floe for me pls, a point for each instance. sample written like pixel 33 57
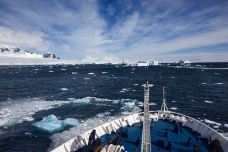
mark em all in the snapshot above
pixel 100 115
pixel 115 101
pixel 226 125
pixel 219 83
pixel 13 112
pixel 152 104
pixel 104 72
pixel 216 127
pixel 210 122
pixel 51 71
pixel 87 78
pixel 64 89
pixel 52 124
pixel 74 73
pixel 173 108
pixel 125 90
pixel 71 122
pixel 207 101
pixel 91 73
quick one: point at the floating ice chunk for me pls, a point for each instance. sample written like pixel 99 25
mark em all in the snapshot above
pixel 63 69
pixel 226 125
pixel 91 73
pixel 152 104
pixel 212 122
pixel 203 83
pixel 124 90
pixel 36 69
pixel 100 115
pixel 173 108
pixel 220 83
pixel 173 101
pixel 130 104
pixel 64 89
pixel 216 127
pixel 74 73
pixel 50 71
pixel 207 101
pixel 140 104
pixel 104 72
pixel 87 78
pixel 125 113
pixel 135 84
pixel 28 118
pixel 49 124
pixel 71 122
pixel 52 124
pixel 115 101
pixel 82 101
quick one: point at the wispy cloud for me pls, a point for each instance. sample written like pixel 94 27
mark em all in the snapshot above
pixel 111 31
pixel 23 39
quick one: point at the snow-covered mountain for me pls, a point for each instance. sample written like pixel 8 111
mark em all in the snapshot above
pixel 9 51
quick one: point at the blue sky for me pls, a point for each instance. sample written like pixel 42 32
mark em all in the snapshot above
pixel 105 30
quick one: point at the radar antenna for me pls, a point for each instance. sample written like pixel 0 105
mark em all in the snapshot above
pixel 164 107
pixel 146 140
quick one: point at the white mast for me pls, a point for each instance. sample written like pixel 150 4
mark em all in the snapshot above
pixel 146 141
pixel 164 107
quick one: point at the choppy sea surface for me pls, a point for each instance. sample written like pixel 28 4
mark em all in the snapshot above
pixel 94 94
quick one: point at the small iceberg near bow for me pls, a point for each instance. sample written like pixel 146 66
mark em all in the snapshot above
pixel 51 124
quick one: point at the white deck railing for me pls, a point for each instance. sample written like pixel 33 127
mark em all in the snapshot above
pixel 107 128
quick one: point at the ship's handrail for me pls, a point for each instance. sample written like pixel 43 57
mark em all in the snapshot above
pixel 81 140
pixel 107 128
pixel 201 128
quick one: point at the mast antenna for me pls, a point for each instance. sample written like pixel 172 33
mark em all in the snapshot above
pixel 146 140
pixel 164 107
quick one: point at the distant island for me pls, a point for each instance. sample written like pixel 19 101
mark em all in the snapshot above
pixel 10 55
pixel 10 51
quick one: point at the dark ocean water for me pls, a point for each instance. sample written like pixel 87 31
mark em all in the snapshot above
pixel 29 93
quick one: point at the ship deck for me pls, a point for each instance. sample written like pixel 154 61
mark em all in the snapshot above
pixel 165 136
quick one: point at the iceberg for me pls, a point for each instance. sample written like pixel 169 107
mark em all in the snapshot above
pixel 51 124
pixel 71 122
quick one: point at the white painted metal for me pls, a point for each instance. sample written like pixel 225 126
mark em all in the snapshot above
pixel 146 144
pixel 190 122
pixel 164 107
